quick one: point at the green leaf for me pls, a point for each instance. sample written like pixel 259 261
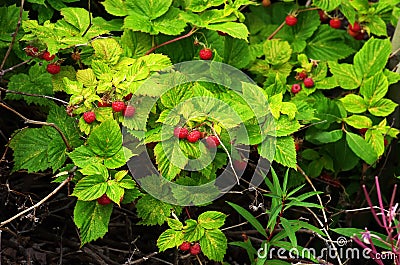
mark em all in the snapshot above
pixel 374 88
pixel 153 211
pixel 354 103
pixel 193 231
pixel 84 156
pixel 358 121
pixel 236 52
pixel 149 9
pixel 169 238
pixel 372 57
pixel 322 137
pixel 233 29
pixel 344 158
pixel 377 26
pixel 106 139
pixel 382 107
pixel 327 5
pixel 77 17
pixel 201 5
pixel 164 154
pixel 114 191
pixel 92 220
pixel 90 188
pixel 345 75
pixel 135 44
pixel 285 153
pixel 289 231
pixel 95 169
pixel 310 154
pixel 277 51
pixel 107 50
pixel 361 148
pixel 8 21
pixel 67 125
pixel 211 219
pixel 249 217
pixel 327 45
pixel 115 7
pixel 284 126
pixel 37 82
pixel 376 139
pixel 214 244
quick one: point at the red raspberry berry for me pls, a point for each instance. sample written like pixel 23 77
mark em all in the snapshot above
pixel 360 36
pixel 185 246
pixel 355 27
pixel 206 54
pixel 297 147
pixel 212 141
pixel 89 116
pixel 31 50
pixel 362 131
pixel 296 88
pixel 181 133
pixel 195 249
pixel 104 200
pixel 129 111
pixel 128 97
pixel 239 165
pixel 53 68
pixel 322 16
pixel 118 106
pixel 335 23
pixel 222 33
pixel 291 20
pixel 301 75
pixel 385 142
pixel 193 136
pixel 308 82
pixel 47 56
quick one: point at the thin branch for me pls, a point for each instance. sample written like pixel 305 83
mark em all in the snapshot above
pixel 90 20
pixel 33 95
pixel 394 53
pixel 227 153
pixel 276 31
pixel 324 226
pixel 2 72
pixel 69 148
pixel 21 11
pixel 62 184
pixel 190 33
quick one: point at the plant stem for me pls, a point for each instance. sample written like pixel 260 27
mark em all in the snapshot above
pixel 190 33
pixel 21 11
pixel 276 31
pixel 69 148
pixel 33 95
pixel 62 184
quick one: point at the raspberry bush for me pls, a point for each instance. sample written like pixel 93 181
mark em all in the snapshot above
pixel 328 71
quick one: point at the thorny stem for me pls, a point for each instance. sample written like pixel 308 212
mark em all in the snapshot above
pixel 62 184
pixel 190 33
pixel 21 10
pixel 69 148
pixel 33 95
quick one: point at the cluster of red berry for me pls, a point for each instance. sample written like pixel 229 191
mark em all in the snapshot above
pixel 212 141
pixel 52 68
pixel 128 111
pixel 307 81
pixel 355 30
pixel 194 248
